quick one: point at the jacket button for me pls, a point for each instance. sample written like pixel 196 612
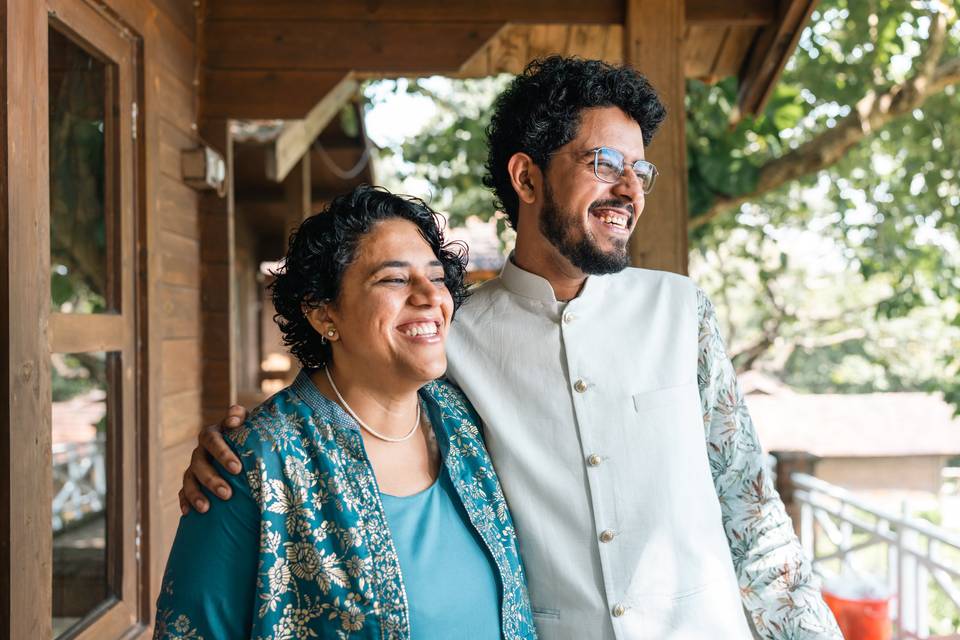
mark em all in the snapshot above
pixel 618 610
pixel 580 386
pixel 607 535
pixel 594 460
pixel 568 318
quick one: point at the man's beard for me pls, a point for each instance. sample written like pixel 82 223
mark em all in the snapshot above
pixel 583 253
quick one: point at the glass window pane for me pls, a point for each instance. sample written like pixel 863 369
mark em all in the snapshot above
pixel 82 396
pixel 81 184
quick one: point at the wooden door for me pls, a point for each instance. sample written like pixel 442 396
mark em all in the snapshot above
pixel 80 436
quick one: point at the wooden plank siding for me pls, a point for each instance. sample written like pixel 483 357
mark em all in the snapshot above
pixel 179 413
pixel 254 94
pixel 176 206
pixel 469 11
pixel 218 307
pixel 324 46
pixel 25 487
pixel 605 12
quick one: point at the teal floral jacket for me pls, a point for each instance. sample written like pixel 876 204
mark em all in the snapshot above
pixel 303 549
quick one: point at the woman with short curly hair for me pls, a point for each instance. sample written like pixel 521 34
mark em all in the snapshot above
pixel 367 506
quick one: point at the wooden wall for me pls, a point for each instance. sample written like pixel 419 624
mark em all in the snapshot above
pixel 171 239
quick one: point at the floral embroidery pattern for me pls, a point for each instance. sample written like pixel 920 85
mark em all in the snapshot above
pixel 777 584
pixel 171 625
pixel 327 565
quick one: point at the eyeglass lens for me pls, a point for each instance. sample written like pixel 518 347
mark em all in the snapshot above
pixel 609 166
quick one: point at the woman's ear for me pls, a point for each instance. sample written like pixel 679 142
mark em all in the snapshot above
pixel 525 176
pixel 320 319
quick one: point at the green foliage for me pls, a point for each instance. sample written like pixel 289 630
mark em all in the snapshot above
pixel 889 207
pixel 449 154
pixel 78 178
pixel 75 374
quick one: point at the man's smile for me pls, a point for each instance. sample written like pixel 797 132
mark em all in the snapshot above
pixel 615 217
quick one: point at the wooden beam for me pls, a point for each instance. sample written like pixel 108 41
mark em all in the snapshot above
pixel 553 11
pixel 296 137
pixel 515 45
pixel 565 12
pixel 655 48
pixel 264 95
pixel 731 12
pixel 81 332
pixel 297 191
pixel 771 49
pixel 311 45
pixel 26 497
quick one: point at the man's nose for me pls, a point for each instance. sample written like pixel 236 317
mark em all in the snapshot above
pixel 630 187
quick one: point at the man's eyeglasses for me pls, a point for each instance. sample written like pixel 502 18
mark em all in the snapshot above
pixel 609 165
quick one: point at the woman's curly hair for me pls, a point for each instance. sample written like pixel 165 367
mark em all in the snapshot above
pixel 540 111
pixel 324 246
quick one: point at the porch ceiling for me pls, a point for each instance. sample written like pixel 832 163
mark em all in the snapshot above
pixel 278 59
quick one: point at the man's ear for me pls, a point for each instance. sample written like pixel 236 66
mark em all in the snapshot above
pixel 525 176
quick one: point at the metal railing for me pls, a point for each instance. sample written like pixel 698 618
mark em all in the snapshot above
pixel 917 557
pixel 79 481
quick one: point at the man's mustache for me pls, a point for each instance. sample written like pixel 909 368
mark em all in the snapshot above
pixel 613 203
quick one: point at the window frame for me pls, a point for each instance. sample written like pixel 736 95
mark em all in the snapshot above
pixel 114 331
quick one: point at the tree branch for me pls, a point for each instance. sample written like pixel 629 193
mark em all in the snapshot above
pixel 871 112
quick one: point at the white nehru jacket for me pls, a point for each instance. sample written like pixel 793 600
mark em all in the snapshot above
pixel 593 419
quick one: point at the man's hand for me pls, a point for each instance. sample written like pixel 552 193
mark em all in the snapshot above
pixel 210 441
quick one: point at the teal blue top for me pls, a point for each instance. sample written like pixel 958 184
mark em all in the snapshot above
pixel 308 547
pixel 448 576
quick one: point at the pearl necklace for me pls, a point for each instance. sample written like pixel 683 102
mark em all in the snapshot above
pixel 363 424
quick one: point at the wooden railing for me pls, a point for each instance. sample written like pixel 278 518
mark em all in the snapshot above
pixel 914 557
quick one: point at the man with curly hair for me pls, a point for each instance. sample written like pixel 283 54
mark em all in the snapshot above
pixel 611 409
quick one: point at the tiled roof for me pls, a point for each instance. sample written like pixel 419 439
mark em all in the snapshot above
pixel 856 425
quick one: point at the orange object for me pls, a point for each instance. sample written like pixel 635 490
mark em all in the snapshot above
pixel 864 619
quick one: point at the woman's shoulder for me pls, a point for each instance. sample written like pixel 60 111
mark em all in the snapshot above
pixel 451 398
pixel 280 423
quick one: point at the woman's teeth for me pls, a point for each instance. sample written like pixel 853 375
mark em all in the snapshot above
pixel 614 219
pixel 422 329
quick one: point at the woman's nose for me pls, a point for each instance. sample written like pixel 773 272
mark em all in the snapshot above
pixel 426 291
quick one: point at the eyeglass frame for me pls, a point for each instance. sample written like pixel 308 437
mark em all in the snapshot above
pixel 623 167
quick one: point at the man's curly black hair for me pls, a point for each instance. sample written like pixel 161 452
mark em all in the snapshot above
pixel 540 111
pixel 324 246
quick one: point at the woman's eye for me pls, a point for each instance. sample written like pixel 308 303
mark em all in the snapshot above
pixel 394 281
pixel 440 280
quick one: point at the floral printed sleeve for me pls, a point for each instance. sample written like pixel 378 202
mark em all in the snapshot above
pixel 209 587
pixel 778 588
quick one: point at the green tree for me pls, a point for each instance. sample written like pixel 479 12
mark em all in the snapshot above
pixel 855 144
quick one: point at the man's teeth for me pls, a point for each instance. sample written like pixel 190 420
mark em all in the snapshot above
pixel 614 219
pixel 422 329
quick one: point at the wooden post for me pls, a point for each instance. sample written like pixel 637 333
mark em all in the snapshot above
pixel 653 44
pixel 297 196
pixel 218 286
pixel 25 449
pixel 789 462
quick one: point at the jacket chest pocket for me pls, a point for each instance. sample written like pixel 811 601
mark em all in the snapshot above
pixel 673 399
pixel 666 439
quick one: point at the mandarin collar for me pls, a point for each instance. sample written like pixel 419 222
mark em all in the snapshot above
pixel 530 285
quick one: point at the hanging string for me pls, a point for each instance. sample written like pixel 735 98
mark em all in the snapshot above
pixel 349 174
